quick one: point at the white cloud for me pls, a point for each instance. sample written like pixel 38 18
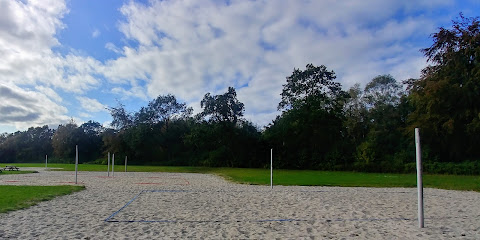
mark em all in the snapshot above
pixel 84 115
pixel 190 48
pixel 29 66
pixel 24 108
pixel 91 105
pixel 135 91
pixel 50 93
pixel 27 36
pixel 95 33
pixel 110 46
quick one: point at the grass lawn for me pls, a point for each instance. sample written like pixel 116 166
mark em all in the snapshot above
pixel 15 172
pixel 299 177
pixel 348 179
pixel 19 197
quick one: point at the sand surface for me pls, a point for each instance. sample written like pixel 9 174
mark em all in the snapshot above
pixel 180 205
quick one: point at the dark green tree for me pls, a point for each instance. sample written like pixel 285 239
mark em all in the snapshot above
pixel 26 146
pixel 356 115
pixel 64 140
pixel 381 149
pixel 90 141
pixel 152 135
pixel 447 96
pixel 383 90
pixel 314 88
pixel 223 138
pixel 121 119
pixel 310 131
pixel 222 108
pixel 162 109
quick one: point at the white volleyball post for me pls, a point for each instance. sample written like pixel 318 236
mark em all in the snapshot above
pixel 419 178
pixel 271 168
pixel 113 165
pixel 46 161
pixel 76 163
pixel 108 165
pixel 125 163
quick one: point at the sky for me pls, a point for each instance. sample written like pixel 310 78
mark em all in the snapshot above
pixel 64 60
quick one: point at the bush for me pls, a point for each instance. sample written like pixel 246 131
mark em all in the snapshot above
pixel 464 168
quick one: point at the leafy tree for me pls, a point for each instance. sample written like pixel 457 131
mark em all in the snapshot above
pixel 112 141
pixel 356 115
pixel 92 128
pixel 310 131
pixel 224 138
pixel 90 141
pixel 213 144
pixel 447 96
pixel 64 141
pixel 162 109
pixel 152 135
pixel 28 146
pixel 384 124
pixel 382 90
pixel 314 87
pixel 222 108
pixel 121 118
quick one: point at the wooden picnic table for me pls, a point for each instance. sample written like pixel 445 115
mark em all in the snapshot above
pixel 11 168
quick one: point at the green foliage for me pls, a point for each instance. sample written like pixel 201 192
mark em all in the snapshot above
pixel 222 108
pixel 315 86
pixel 447 96
pixel 87 137
pixel 64 141
pixel 302 177
pixel 382 110
pixel 121 118
pixel 30 145
pixel 215 144
pixel 162 109
pixel 16 172
pixel 464 168
pixel 309 133
pixel 19 197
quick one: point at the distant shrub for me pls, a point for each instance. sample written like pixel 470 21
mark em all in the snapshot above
pixel 464 168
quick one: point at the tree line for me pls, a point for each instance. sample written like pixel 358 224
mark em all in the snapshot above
pixel 321 125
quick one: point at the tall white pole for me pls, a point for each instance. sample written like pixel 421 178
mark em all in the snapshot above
pixel 76 163
pixel 46 161
pixel 125 163
pixel 419 178
pixel 271 168
pixel 113 165
pixel 108 165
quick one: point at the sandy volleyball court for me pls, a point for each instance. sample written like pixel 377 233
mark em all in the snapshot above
pixel 180 205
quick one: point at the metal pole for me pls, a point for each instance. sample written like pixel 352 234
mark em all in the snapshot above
pixel 419 178
pixel 125 163
pixel 46 161
pixel 271 168
pixel 76 163
pixel 113 165
pixel 108 165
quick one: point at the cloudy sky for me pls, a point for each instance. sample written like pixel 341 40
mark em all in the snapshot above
pixel 72 59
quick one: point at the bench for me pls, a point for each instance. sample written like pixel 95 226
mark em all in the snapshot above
pixel 11 168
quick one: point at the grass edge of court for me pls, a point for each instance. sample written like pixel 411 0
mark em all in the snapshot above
pixel 255 176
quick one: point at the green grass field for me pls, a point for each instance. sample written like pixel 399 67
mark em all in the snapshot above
pixel 15 172
pixel 299 177
pixel 19 197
